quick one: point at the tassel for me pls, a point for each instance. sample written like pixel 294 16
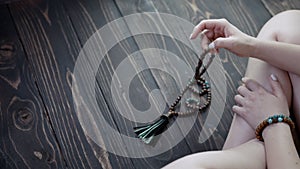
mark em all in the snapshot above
pixel 147 133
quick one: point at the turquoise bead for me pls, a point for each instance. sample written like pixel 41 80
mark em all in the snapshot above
pixel 280 119
pixel 270 121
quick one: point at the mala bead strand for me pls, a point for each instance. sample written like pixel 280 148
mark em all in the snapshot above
pixel 186 113
pixel 147 132
pixel 172 113
pixel 205 89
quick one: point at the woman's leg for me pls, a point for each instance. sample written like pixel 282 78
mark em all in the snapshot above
pixel 240 132
pixel 238 151
pixel 291 34
pixel 235 158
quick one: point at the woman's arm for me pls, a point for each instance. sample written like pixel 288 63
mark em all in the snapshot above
pixel 255 104
pixel 280 148
pixel 282 55
pixel 225 35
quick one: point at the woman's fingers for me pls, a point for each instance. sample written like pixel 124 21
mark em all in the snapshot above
pixel 224 35
pixel 198 29
pixel 204 41
pixel 242 90
pixel 276 86
pixel 239 99
pixel 239 110
pixel 251 84
pixel 216 25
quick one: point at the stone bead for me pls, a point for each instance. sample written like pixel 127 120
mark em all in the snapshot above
pixel 270 121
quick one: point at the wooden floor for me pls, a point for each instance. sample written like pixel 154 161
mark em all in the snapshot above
pixel 39 44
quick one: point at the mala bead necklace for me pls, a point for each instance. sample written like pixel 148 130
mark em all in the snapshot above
pixel 148 132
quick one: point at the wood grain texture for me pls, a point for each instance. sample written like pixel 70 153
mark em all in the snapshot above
pixel 278 6
pixel 51 46
pixel 167 84
pixel 194 11
pixel 26 136
pixel 142 84
pixel 40 41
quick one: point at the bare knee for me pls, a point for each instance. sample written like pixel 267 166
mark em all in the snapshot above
pixel 283 27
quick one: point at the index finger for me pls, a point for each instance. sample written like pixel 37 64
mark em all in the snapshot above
pixel 209 24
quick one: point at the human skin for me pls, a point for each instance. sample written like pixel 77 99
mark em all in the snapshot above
pixel 274 52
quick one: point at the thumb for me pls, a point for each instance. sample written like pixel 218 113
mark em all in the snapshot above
pixel 223 43
pixel 250 84
pixel 276 87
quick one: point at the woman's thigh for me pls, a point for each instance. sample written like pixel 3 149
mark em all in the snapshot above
pixel 285 27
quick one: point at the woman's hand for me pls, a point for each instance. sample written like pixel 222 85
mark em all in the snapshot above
pixel 224 35
pixel 255 104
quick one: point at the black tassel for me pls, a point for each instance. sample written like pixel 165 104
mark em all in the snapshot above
pixel 147 133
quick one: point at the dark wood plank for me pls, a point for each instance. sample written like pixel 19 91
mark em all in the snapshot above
pixel 6 1
pixel 26 136
pixel 277 6
pixel 141 86
pixel 167 84
pixel 240 13
pixel 53 34
pixel 52 46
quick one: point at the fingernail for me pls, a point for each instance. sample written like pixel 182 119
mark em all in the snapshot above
pixel 191 36
pixel 244 79
pixel 211 45
pixel 273 77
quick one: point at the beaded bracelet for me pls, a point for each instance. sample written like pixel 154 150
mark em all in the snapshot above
pixel 271 120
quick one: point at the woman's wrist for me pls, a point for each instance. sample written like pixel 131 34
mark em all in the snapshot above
pixel 271 121
pixel 255 47
pixel 276 130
